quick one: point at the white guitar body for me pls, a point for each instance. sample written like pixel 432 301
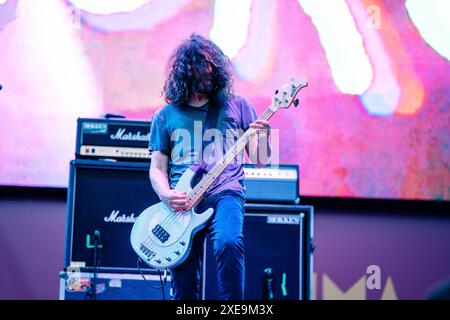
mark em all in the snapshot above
pixel 163 238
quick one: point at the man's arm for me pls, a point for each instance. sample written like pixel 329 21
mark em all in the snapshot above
pixel 160 182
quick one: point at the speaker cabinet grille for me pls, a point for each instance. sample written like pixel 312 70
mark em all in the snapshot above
pixel 277 237
pixel 107 198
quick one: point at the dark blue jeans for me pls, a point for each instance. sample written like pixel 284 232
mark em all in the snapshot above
pixel 225 230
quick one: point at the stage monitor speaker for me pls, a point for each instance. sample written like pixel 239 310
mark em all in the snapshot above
pixel 104 199
pixel 278 254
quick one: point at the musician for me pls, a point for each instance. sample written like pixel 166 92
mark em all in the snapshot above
pixel 199 79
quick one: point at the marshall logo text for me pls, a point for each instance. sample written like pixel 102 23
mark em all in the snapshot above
pixel 122 134
pixel 115 218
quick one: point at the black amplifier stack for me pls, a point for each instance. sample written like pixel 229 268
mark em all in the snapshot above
pixel 109 187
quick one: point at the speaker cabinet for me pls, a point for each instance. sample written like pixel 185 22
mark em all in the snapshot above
pixel 106 197
pixel 276 238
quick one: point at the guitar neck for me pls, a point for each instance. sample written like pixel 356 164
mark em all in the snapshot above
pixel 197 192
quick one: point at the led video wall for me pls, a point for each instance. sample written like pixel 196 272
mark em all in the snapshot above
pixel 374 121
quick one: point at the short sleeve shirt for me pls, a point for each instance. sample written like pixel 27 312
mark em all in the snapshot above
pixel 177 131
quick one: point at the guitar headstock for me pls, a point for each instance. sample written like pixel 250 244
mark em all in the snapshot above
pixel 286 95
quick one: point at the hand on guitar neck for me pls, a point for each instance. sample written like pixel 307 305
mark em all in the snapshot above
pixel 175 199
pixel 259 126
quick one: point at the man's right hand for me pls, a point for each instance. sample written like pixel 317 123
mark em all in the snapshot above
pixel 176 200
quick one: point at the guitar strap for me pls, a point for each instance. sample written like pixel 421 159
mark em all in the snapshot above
pixel 212 117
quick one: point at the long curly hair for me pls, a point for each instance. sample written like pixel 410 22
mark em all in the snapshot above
pixel 195 52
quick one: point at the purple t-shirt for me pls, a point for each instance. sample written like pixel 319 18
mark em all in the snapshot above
pixel 177 132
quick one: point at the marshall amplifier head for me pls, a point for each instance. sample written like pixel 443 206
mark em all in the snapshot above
pixel 105 198
pixel 117 139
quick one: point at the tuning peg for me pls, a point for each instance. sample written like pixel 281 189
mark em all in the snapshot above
pixel 296 102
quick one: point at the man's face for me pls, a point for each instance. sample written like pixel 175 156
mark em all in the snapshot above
pixel 203 81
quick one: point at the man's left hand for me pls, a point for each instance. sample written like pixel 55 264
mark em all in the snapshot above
pixel 260 126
